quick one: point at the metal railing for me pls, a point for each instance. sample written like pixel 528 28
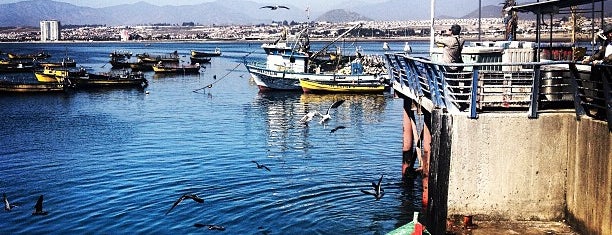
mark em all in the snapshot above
pixel 479 87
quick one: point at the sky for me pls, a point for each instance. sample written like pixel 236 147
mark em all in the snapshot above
pixel 315 5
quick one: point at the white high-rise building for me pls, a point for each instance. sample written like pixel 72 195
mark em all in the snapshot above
pixel 49 30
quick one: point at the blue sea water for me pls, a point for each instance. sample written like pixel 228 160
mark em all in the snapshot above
pixel 114 161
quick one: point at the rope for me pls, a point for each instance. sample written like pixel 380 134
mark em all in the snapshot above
pixel 224 76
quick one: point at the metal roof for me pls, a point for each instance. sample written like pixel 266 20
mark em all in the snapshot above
pixel 551 6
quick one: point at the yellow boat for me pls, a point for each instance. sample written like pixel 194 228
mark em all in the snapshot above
pixel 315 86
pixel 51 75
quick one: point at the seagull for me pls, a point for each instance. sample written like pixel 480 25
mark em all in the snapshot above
pixel 260 166
pixel 379 192
pixel 308 117
pixel 386 46
pixel 7 205
pixel 337 128
pixel 38 208
pixel 275 7
pixel 190 196
pixel 407 48
pixel 210 226
pixel 325 117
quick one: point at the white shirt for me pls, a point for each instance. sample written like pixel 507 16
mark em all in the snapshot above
pixel 608 50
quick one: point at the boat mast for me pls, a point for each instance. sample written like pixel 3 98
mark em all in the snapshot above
pixel 336 39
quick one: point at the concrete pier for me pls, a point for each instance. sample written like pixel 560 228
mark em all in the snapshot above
pixel 504 166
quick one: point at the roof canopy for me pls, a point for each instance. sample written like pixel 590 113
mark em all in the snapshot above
pixel 551 6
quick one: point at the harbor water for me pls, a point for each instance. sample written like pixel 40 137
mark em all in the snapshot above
pixel 115 161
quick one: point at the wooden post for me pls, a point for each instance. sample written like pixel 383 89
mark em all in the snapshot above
pixel 439 166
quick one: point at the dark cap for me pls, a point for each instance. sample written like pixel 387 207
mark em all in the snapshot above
pixel 455 29
pixel 607 29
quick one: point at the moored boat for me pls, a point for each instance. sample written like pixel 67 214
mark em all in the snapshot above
pixel 18 87
pixel 66 62
pixel 102 80
pixel 16 66
pixel 370 84
pixel 195 53
pixel 176 68
pixel 200 60
pixel 41 55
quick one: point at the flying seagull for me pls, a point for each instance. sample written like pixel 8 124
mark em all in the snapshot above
pixel 275 7
pixel 337 128
pixel 310 115
pixel 261 166
pixel 190 196
pixel 38 208
pixel 379 192
pixel 325 117
pixel 210 226
pixel 7 205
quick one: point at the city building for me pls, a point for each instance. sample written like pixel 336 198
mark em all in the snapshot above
pixel 49 30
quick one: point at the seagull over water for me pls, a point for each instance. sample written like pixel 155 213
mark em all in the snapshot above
pixel 325 117
pixel 210 226
pixel 379 192
pixel 38 208
pixel 310 115
pixel 261 166
pixel 186 196
pixel 275 7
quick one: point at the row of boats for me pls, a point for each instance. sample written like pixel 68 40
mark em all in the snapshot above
pixel 165 63
pixel 296 67
pixel 30 62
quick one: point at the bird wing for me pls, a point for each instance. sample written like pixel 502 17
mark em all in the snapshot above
pixel 335 105
pixel 378 186
pixel 39 204
pixel 176 203
pixel 195 198
pixel 368 192
pixel 266 168
pixel 256 163
pixel 283 7
pixel 271 7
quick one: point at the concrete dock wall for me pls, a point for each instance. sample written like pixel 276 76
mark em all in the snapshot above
pixel 508 167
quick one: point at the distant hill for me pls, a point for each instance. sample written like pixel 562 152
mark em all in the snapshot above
pixel 340 15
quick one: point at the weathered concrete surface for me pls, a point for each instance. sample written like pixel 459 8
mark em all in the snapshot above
pixel 589 179
pixel 508 167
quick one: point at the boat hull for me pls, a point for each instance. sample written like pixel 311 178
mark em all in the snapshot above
pixel 312 86
pixel 10 87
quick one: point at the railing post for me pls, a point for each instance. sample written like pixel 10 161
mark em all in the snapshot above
pixel 535 92
pixel 474 95
pixel 575 91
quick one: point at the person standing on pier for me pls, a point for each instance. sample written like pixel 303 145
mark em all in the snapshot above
pixel 604 54
pixel 453 45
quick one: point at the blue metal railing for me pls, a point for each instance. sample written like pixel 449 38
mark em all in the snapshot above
pixel 531 86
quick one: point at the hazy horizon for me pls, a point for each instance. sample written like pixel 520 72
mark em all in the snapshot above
pixel 443 7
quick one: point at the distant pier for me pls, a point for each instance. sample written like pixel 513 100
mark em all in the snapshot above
pixel 517 141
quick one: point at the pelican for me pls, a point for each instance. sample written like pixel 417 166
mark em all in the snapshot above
pixel 261 166
pixel 275 7
pixel 7 205
pixel 379 192
pixel 190 196
pixel 38 208
pixel 325 117
pixel 310 115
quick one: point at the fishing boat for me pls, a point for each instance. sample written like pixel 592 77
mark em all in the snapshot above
pixel 19 87
pixel 104 80
pixel 176 68
pixel 195 53
pixel 150 58
pixel 120 59
pixel 340 84
pixel 66 62
pixel 286 65
pixel 41 55
pixel 200 60
pixel 16 66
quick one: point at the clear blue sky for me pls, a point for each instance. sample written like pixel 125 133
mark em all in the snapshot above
pixel 460 7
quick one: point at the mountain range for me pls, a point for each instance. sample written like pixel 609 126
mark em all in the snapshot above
pixel 220 12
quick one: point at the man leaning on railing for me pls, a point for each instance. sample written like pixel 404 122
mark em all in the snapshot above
pixel 604 53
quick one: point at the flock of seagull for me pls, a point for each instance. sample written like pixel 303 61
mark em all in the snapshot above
pixel 377 190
